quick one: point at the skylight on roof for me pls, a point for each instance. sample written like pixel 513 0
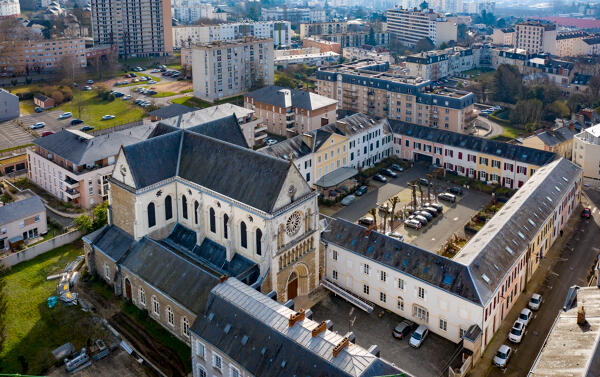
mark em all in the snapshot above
pixel 531 222
pixel 557 189
pixel 496 267
pixel 448 279
pixel 521 235
pixel 564 179
pixel 510 251
pixel 549 199
pixel 486 278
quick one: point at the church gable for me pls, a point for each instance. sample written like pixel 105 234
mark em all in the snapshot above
pixel 122 172
pixel 294 186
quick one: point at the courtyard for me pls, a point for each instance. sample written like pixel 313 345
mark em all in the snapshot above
pixel 436 233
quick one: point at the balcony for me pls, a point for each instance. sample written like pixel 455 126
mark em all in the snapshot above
pixel 70 182
pixel 371 92
pixel 290 126
pixel 260 128
pixel 72 194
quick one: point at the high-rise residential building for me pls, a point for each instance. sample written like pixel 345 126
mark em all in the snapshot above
pixel 536 36
pixel 279 31
pixel 409 26
pixel 23 57
pixel 504 37
pixel 366 86
pixel 189 11
pixel 139 29
pixel 323 28
pixel 295 15
pixel 586 151
pixel 9 8
pixel 225 69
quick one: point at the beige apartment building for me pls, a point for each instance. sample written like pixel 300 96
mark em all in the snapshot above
pixel 139 29
pixel 536 37
pixel 323 28
pixel 409 26
pixel 74 166
pixel 22 57
pixel 289 112
pixel 567 43
pixel 366 87
pixel 504 37
pixel 226 69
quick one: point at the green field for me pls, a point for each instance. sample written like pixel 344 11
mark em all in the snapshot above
pixel 32 329
pixel 94 108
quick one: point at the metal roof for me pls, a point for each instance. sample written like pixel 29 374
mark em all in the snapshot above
pixel 254 330
pixel 19 210
pixel 336 177
pixel 299 98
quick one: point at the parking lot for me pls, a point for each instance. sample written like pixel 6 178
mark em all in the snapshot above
pixel 431 236
pixel 12 135
pixel 430 360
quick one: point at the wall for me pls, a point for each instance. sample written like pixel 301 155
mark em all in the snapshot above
pixel 34 251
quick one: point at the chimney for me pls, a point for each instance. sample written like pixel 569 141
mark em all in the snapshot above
pixel 581 315
pixel 223 278
pixel 572 126
pixel 297 317
pixel 308 139
pixel 287 97
pixel 340 347
pixel 319 329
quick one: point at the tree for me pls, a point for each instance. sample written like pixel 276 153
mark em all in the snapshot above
pixel 57 96
pixel 556 109
pixel 424 44
pixel 508 85
pixel 3 307
pixel 372 41
pixel 527 111
pixel 100 215
pixel 578 101
pixel 594 85
pixel 393 201
pixel 424 5
pixel 373 212
pixel 83 223
pixel 443 46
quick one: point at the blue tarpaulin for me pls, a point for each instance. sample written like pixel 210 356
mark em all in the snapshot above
pixel 52 300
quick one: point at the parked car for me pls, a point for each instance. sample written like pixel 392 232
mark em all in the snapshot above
pixel 348 200
pixel 423 220
pixel 404 328
pixel 447 196
pixel 397 167
pixel 395 235
pixel 437 206
pixel 586 213
pixel 425 214
pixel 516 333
pixel 389 173
pixel 87 88
pixel 380 178
pixel 108 117
pixel 535 301
pixel 118 94
pixel 270 141
pixel 75 122
pixel 366 220
pixel 38 110
pixel 432 211
pixel 132 74
pixel 86 128
pixel 37 125
pixel 525 316
pixel 455 190
pixel 361 191
pixel 126 97
pixel 418 337
pixel 47 133
pixel 424 182
pixel 65 115
pixel 90 82
pixel 412 223
pixel 151 82
pixel 502 356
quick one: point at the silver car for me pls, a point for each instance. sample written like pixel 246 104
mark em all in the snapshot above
pixel 418 337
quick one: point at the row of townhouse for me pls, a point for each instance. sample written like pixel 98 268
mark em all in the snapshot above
pixel 357 142
pixel 366 86
pixel 489 161
pixel 436 64
pixel 466 297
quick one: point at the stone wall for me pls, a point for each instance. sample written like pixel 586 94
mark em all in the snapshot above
pixel 122 208
pixel 41 248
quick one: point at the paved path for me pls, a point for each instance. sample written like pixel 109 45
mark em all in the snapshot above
pixel 567 264
pixel 495 128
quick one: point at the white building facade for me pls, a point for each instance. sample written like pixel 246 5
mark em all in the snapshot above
pixel 586 151
pixel 279 31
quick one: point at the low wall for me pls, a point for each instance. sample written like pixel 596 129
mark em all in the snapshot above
pixel 41 248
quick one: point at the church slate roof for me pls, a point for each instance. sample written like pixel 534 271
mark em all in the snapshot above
pixel 239 173
pixel 249 326
pixel 473 143
pixel 300 98
pixel 111 241
pixel 424 265
pixel 178 277
pixel 226 129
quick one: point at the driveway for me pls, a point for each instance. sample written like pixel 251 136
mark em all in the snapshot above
pixel 487 128
pixel 430 360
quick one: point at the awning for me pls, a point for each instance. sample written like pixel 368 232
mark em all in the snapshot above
pixel 336 177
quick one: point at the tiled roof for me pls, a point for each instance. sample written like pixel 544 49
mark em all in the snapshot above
pixel 246 324
pixel 557 136
pixel 424 265
pixel 111 241
pixel 82 150
pixel 208 114
pixel 474 143
pixel 301 99
pixel 505 237
pixel 239 173
pixel 20 209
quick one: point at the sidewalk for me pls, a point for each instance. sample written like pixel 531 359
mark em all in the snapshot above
pixel 484 365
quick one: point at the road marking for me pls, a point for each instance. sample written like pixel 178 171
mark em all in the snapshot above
pixel 433 239
pixel 455 219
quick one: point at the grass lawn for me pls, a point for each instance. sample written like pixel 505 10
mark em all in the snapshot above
pixel 53 231
pixel 164 94
pixel 15 148
pixel 93 108
pixel 174 66
pixel 196 102
pixel 32 329
pixel 27 107
pixel 513 132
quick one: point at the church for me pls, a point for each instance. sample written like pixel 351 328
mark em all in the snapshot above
pixel 186 211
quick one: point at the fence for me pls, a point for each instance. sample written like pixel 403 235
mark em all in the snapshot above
pixel 120 127
pixel 41 248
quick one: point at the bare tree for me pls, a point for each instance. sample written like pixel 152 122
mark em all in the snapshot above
pixel 393 201
pixel 69 69
pixel 373 212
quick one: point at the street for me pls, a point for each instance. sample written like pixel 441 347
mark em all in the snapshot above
pixel 569 267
